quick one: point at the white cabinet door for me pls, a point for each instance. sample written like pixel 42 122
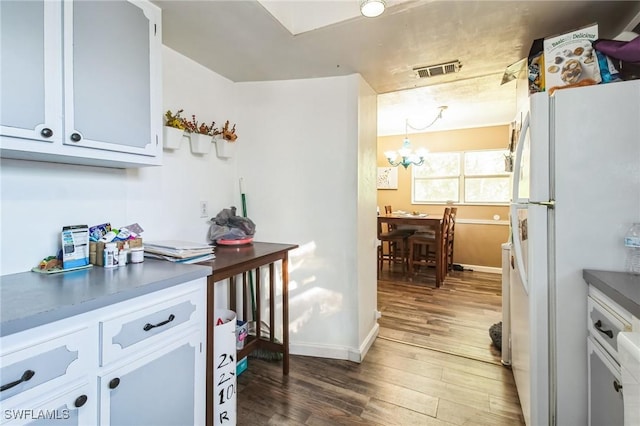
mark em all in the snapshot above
pixel 83 76
pixel 75 405
pixel 165 387
pixel 111 58
pixel 31 70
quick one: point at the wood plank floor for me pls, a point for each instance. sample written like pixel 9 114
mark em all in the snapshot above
pixel 454 318
pixel 398 383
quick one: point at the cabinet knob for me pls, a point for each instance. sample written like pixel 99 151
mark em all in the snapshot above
pixel 76 137
pixel 114 383
pixel 46 132
pixel 80 401
pixel 617 386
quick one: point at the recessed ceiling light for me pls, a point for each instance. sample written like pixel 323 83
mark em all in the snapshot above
pixel 372 8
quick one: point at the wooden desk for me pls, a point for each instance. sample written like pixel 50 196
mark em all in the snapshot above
pixel 234 261
pixel 434 222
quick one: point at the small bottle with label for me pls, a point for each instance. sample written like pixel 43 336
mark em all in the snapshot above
pixel 122 258
pixel 110 254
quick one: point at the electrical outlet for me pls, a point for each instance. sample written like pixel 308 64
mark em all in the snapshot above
pixel 204 209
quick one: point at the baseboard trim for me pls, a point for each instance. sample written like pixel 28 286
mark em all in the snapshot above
pixel 478 268
pixel 358 356
pixel 334 351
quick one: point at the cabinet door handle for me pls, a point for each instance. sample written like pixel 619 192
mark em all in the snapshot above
pixel 76 137
pixel 113 383
pixel 46 132
pixel 598 326
pixel 80 401
pixel 26 376
pixel 617 386
pixel 148 326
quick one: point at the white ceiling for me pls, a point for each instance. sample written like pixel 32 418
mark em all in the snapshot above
pixel 247 40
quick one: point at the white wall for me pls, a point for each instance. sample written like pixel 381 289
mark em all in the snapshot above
pixel 299 159
pixel 306 151
pixel 39 198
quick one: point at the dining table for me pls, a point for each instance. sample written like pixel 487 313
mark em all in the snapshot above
pixel 402 220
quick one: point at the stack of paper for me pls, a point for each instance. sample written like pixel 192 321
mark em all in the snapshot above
pixel 179 251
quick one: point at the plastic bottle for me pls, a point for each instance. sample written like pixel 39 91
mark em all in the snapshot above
pixel 110 255
pixel 632 245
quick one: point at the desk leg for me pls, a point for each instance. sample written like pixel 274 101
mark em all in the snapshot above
pixel 258 313
pixel 285 313
pixel 209 349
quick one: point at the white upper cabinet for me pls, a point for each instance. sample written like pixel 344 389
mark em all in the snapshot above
pixel 31 70
pixel 85 78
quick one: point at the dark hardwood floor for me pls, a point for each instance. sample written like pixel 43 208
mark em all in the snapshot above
pixel 401 381
pixel 454 318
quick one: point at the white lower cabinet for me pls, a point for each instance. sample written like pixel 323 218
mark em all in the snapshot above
pixel 158 389
pixel 72 405
pixel 605 388
pixel 70 372
pixel 606 319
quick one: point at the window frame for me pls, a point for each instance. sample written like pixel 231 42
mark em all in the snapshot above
pixel 462 178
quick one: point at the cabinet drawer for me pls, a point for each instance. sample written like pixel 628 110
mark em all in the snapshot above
pixel 46 363
pixel 142 325
pixel 604 326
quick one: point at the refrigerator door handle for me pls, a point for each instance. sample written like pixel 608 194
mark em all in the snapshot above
pixel 515 193
pixel 551 203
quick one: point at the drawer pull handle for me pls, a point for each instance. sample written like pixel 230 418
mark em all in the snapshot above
pixel 148 326
pixel 80 401
pixel 113 383
pixel 76 137
pixel 598 326
pixel 27 375
pixel 617 386
pixel 46 132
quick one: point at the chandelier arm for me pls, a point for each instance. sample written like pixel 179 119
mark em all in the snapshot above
pixel 439 116
pixel 405 162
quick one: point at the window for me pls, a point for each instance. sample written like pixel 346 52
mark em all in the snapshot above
pixel 474 177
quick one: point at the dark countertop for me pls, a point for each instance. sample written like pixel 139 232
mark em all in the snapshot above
pixel 621 287
pixel 30 299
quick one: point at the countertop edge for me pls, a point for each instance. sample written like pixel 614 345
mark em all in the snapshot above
pixel 43 317
pixel 613 288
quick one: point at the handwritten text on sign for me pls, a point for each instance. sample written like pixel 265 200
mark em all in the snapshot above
pixel 225 386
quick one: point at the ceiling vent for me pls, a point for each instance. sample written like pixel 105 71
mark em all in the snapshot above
pixel 440 69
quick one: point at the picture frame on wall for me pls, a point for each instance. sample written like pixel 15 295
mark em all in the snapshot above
pixel 387 178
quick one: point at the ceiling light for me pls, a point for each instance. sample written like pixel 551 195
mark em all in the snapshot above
pixel 408 157
pixel 372 8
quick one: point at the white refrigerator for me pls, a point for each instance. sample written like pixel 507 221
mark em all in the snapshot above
pixel 576 191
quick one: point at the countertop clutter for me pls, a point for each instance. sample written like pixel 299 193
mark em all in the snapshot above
pixel 28 300
pixel 621 287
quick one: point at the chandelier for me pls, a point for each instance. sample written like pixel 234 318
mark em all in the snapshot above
pixel 408 157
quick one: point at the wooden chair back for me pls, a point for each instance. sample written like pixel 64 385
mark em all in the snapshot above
pixel 450 235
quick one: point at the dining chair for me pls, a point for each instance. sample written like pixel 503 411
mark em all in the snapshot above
pixel 393 244
pixel 423 250
pixel 450 233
